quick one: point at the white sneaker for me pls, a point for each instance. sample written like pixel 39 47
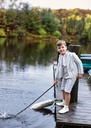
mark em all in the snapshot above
pixel 61 103
pixel 64 110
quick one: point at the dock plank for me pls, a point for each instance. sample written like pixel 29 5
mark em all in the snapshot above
pixel 80 112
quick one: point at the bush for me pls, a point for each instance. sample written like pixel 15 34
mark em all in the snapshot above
pixel 2 32
pixel 14 35
pixel 57 34
pixel 42 32
pixel 84 35
pixel 21 32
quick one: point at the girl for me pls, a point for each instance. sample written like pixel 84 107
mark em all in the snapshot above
pixel 68 70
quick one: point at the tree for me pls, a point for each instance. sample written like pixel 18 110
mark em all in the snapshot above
pixel 87 27
pixel 30 18
pixel 74 24
pixel 11 21
pixel 49 22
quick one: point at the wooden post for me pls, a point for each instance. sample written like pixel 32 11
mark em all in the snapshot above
pixel 74 92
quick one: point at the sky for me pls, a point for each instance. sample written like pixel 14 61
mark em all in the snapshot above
pixel 60 4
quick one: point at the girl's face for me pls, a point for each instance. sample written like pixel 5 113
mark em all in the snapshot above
pixel 62 49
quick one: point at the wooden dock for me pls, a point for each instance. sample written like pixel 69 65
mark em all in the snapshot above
pixel 79 115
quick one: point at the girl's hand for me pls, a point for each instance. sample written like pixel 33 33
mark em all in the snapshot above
pixel 55 82
pixel 80 76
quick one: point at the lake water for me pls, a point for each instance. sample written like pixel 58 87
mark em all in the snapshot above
pixel 26 72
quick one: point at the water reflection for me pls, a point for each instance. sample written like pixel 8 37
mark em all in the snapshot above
pixel 45 111
pixel 30 53
pixel 26 53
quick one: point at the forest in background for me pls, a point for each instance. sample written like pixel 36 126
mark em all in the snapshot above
pixel 25 21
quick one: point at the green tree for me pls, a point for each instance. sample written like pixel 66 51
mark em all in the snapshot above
pixel 87 27
pixel 11 21
pixel 49 22
pixel 74 24
pixel 30 19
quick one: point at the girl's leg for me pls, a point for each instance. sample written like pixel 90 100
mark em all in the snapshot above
pixel 69 83
pixel 67 98
pixel 63 101
pixel 66 105
pixel 63 92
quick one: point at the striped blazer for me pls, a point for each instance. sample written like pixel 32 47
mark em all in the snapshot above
pixel 74 66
